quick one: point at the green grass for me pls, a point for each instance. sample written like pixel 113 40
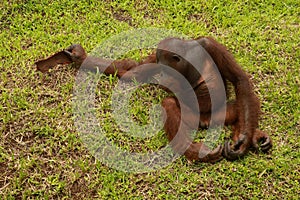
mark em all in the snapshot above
pixel 41 154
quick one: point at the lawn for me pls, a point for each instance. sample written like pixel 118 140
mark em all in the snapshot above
pixel 43 156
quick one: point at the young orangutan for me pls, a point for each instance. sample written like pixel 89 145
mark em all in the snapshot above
pixel 242 113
